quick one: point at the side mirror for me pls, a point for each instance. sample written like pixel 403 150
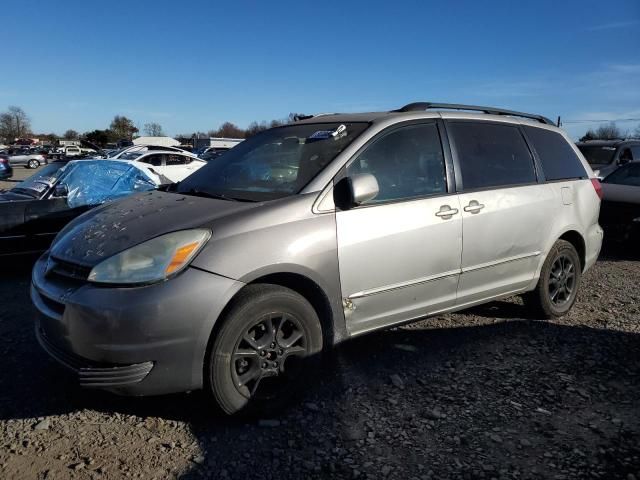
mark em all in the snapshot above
pixel 61 190
pixel 355 190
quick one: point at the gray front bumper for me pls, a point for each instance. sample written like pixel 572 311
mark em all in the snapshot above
pixel 135 341
pixel 92 374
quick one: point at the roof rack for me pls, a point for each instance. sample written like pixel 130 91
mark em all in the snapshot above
pixel 419 106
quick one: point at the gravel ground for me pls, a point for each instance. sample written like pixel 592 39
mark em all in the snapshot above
pixel 488 393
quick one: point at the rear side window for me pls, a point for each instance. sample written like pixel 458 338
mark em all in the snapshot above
pixel 559 161
pixel 491 155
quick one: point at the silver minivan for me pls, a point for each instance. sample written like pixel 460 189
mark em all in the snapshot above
pixel 237 278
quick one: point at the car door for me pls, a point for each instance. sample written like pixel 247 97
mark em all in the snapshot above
pixel 506 212
pixel 12 231
pixel 399 253
pixel 45 218
pixel 18 158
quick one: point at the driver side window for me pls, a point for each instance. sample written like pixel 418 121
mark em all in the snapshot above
pixel 407 162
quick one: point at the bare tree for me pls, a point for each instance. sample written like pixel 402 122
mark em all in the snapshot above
pixel 609 132
pixel 228 130
pixel 71 135
pixel 604 132
pixel 153 129
pixel 14 123
pixel 123 127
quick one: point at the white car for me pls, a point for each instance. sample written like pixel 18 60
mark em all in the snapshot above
pixel 146 148
pixel 173 165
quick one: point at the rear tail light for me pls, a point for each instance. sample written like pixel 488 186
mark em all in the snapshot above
pixel 3 160
pixel 598 188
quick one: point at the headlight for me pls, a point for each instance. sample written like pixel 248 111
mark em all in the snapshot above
pixel 151 261
pixel 636 220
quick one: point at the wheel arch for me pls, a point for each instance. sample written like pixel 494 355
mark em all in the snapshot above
pixel 577 240
pixel 333 330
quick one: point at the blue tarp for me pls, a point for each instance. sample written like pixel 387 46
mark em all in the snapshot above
pixel 91 182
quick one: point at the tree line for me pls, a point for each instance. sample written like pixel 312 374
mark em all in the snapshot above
pixel 15 124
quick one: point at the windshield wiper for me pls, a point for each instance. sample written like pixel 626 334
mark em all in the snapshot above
pixel 219 196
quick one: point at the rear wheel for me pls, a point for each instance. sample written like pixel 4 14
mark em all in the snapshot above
pixel 33 163
pixel 557 287
pixel 268 340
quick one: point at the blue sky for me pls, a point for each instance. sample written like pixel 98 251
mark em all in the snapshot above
pixel 192 65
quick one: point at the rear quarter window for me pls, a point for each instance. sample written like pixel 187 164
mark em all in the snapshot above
pixel 558 159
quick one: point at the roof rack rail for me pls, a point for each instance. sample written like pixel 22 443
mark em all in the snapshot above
pixel 419 106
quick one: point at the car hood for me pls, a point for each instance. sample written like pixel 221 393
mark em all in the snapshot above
pixel 620 193
pixel 11 196
pixel 117 226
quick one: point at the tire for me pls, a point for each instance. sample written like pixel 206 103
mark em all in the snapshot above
pixel 248 369
pixel 558 284
pixel 33 164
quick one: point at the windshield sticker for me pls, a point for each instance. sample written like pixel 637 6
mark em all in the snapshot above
pixel 339 132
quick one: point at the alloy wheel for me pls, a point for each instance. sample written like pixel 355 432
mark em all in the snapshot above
pixel 562 280
pixel 268 354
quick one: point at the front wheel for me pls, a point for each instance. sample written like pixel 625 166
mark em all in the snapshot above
pixel 557 287
pixel 33 164
pixel 269 338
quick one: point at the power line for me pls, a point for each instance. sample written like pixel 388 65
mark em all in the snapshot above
pixel 603 120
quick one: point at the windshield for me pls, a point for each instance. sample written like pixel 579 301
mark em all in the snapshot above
pixel 598 154
pixel 273 164
pixel 40 182
pixel 628 174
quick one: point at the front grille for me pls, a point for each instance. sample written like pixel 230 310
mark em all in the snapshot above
pixel 66 269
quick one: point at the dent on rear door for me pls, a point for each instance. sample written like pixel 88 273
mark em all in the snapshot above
pixel 504 241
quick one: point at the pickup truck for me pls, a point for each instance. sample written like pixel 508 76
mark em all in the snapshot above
pixel 72 152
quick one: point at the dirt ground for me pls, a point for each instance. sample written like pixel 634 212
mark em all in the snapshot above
pixel 488 393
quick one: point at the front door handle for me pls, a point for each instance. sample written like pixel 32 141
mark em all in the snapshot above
pixel 474 207
pixel 446 212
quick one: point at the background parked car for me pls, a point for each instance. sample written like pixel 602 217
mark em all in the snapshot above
pixel 174 165
pixel 211 154
pixel 605 156
pixel 6 170
pixel 35 210
pixel 146 148
pixel 25 158
pixel 620 209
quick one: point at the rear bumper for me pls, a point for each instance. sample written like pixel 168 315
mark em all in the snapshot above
pixel 593 245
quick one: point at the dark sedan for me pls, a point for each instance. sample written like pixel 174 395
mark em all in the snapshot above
pixel 620 209
pixel 6 170
pixel 35 210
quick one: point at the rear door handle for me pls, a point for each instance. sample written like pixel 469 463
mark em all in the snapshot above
pixel 446 212
pixel 474 207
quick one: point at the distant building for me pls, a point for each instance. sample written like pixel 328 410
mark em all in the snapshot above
pixel 159 141
pixel 216 142
pixel 68 143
